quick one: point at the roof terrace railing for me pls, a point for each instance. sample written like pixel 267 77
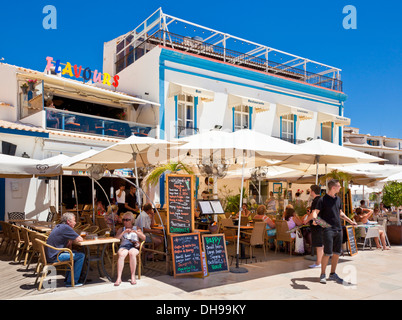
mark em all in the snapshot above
pixel 219 53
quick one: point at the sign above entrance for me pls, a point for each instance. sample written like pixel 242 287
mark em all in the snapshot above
pixel 86 74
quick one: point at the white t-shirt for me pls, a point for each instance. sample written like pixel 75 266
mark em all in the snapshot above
pixel 122 198
pixel 143 221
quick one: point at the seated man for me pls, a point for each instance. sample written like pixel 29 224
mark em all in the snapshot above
pixel 62 236
pixel 145 221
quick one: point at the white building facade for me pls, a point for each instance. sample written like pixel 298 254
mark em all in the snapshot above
pixel 202 81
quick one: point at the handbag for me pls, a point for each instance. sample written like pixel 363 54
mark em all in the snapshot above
pixel 136 244
pixel 299 243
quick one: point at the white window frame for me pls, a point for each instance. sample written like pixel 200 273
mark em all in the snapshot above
pixel 241 112
pixel 288 125
pixel 185 101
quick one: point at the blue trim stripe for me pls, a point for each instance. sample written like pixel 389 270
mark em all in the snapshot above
pixel 223 68
pixel 176 116
pixel 25 133
pixel 162 98
pixel 195 112
pixel 250 117
pixel 249 86
pixel 294 128
pixel 2 198
pixel 233 119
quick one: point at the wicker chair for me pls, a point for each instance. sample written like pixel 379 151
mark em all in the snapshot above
pixel 255 238
pixel 45 265
pixel 35 248
pixel 6 238
pixel 27 249
pixel 18 242
pixel 115 257
pixel 16 215
pixel 283 234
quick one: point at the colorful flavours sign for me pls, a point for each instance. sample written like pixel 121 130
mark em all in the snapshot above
pixel 87 74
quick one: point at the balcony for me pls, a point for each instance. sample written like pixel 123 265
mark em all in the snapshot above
pixel 292 140
pixel 183 131
pixel 87 124
pixel 218 53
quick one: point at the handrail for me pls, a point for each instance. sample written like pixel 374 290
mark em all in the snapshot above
pixel 188 44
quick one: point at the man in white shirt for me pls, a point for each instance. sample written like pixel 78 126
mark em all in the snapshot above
pixel 145 221
pixel 121 198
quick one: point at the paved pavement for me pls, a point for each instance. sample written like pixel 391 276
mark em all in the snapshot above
pixel 374 274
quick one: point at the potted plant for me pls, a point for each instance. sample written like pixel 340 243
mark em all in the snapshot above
pixel 24 88
pixel 392 196
pixel 31 84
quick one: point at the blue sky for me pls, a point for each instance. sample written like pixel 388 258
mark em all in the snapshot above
pixel 369 56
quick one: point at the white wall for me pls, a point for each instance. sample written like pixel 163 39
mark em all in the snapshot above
pixel 8 92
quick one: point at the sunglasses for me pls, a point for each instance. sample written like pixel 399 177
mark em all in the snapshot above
pixel 126 220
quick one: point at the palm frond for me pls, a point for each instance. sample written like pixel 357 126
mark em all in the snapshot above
pixel 152 178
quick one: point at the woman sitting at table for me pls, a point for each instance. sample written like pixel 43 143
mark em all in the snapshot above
pixel 112 217
pixel 363 218
pixel 130 237
pixel 244 212
pixel 261 211
pixel 293 220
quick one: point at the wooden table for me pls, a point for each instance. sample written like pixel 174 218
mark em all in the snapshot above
pixel 99 258
pixel 40 226
pixel 242 247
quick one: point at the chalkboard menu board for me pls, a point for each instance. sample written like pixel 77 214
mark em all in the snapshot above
pixel 186 254
pixel 215 252
pixel 180 203
pixel 350 233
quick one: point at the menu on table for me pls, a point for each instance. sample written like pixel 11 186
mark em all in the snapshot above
pixel 180 203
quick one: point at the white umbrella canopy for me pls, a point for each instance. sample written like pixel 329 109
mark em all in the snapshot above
pixel 259 147
pixel 124 154
pixel 331 153
pixel 395 177
pixel 323 152
pixel 18 167
pixel 230 146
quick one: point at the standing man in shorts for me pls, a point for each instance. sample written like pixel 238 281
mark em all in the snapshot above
pixel 316 230
pixel 329 209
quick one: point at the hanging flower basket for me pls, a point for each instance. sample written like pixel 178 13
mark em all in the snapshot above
pixel 31 84
pixel 24 88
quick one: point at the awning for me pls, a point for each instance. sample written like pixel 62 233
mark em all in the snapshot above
pixel 337 120
pixel 258 105
pixel 84 88
pixel 302 114
pixel 176 89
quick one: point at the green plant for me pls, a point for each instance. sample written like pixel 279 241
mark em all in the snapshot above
pixel 233 202
pixel 300 207
pixel 343 177
pixel 392 194
pixel 152 178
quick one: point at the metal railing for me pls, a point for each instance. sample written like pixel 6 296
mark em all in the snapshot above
pixel 87 124
pixel 292 140
pixel 195 46
pixel 183 131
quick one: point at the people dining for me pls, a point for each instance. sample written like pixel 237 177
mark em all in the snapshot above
pixel 261 214
pixel 292 219
pixel 244 212
pixel 362 217
pixel 112 216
